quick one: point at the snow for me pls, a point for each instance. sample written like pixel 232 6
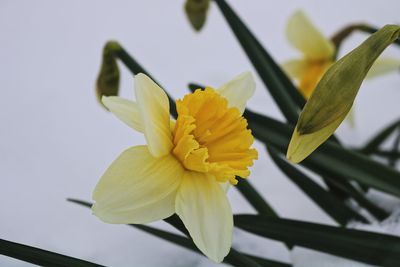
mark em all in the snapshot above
pixel 56 140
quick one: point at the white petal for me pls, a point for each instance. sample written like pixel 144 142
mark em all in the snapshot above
pixel 383 66
pixel 125 110
pixel 295 68
pixel 303 35
pixel 154 111
pixel 239 90
pixel 204 209
pixel 138 188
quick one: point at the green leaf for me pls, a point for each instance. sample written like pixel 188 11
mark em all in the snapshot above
pixel 374 143
pixel 235 258
pixel 279 85
pixel 196 12
pixel 358 196
pixel 367 247
pixel 255 199
pixel 107 83
pixel 188 244
pixel 39 256
pixel 334 95
pixel 334 207
pixel 387 154
pixel 330 159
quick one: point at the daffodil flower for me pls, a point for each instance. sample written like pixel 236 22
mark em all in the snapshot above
pixel 318 55
pixel 185 163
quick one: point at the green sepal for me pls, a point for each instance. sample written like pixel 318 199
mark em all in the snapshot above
pixel 196 12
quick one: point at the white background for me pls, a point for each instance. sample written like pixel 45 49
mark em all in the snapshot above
pixel 56 141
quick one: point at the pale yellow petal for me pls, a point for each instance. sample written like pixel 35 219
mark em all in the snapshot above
pixel 137 188
pixel 301 146
pixel 238 90
pixel 303 35
pixel 225 186
pixel 203 207
pixel 296 68
pixel 154 111
pixel 125 110
pixel 383 66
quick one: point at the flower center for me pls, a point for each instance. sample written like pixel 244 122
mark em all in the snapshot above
pixel 212 138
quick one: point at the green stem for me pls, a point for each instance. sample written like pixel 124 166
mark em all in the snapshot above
pixel 345 32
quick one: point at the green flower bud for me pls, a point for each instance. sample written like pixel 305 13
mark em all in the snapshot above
pixel 107 83
pixel 334 95
pixel 196 11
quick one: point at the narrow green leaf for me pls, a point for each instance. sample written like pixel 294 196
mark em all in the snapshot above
pixel 334 207
pixel 334 95
pixel 196 12
pixel 188 244
pixel 280 87
pixel 330 159
pixel 235 258
pixel 367 247
pixel 386 154
pixel 374 143
pixel 255 199
pixel 392 159
pixel 39 256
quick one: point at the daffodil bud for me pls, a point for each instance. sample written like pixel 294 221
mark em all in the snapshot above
pixel 334 95
pixel 196 11
pixel 107 83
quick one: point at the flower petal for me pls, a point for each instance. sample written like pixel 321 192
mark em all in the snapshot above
pixel 125 110
pixel 303 35
pixel 238 90
pixel 137 188
pixel 301 146
pixel 204 209
pixel 154 111
pixel 296 68
pixel 383 66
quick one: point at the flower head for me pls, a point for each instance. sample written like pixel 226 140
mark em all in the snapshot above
pixel 185 163
pixel 319 54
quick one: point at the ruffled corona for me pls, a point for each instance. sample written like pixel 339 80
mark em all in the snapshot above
pixel 212 138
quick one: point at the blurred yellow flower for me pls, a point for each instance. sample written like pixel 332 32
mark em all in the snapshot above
pixel 318 55
pixel 186 163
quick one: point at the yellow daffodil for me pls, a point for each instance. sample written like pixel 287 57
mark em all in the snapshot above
pixel 318 55
pixel 185 163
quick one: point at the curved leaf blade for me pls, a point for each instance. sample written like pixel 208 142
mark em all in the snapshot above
pixel 367 247
pixel 39 256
